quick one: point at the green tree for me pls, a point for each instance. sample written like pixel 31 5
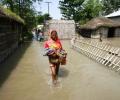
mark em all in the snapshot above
pixel 91 9
pixel 25 9
pixel 110 6
pixel 47 16
pixel 80 10
pixel 42 18
pixel 8 3
pixel 71 9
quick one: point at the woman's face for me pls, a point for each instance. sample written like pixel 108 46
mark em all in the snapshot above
pixel 54 35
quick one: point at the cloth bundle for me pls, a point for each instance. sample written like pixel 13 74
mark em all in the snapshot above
pixel 56 57
pixel 48 51
pixel 62 56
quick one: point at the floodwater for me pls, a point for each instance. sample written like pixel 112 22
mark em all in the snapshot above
pixel 113 41
pixel 25 76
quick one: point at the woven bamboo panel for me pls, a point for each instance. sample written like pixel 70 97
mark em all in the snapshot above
pixel 65 28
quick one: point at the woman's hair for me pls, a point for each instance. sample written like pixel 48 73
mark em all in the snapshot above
pixel 56 37
pixel 53 31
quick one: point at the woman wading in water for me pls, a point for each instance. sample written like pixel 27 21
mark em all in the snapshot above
pixel 53 49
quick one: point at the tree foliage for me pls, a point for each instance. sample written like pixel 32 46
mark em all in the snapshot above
pixel 42 18
pixel 71 9
pixel 110 6
pixel 24 8
pixel 91 9
pixel 80 10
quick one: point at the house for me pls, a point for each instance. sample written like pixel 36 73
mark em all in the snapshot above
pixel 100 26
pixel 10 32
pixel 65 28
pixel 114 16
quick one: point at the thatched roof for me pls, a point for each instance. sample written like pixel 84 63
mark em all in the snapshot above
pixel 7 13
pixel 99 22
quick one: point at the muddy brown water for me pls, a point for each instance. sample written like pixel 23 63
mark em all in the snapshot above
pixel 115 42
pixel 25 76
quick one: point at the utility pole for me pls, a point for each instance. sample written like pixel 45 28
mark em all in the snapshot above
pixel 48 6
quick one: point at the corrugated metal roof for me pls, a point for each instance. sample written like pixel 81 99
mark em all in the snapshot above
pixel 114 14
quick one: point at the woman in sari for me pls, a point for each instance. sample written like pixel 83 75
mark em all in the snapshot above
pixel 52 46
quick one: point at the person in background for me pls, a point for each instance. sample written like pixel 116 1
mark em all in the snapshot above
pixel 100 37
pixel 37 34
pixel 33 33
pixel 41 35
pixel 73 41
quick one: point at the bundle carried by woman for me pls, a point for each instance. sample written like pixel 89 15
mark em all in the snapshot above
pixel 54 49
pixel 56 56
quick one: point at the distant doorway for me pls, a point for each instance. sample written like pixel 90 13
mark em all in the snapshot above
pixel 86 33
pixel 111 32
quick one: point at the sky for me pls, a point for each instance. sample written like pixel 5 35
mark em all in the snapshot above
pixel 54 11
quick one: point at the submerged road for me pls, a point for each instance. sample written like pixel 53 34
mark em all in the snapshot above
pixel 25 76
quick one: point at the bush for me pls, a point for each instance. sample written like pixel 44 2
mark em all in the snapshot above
pixel 28 36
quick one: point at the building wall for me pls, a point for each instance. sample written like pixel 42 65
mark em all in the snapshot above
pixel 65 29
pixel 117 19
pixel 117 32
pixel 102 30
pixel 9 37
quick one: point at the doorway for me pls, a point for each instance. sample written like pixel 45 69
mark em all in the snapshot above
pixel 111 32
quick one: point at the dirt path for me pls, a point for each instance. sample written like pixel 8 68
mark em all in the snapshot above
pixel 25 76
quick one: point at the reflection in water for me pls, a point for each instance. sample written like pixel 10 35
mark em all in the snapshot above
pixel 114 41
pixel 63 72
